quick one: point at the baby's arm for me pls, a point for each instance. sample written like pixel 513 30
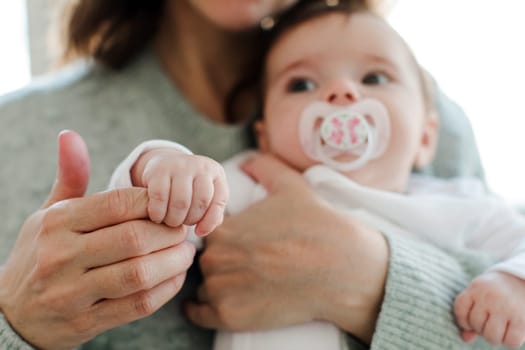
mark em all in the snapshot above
pixel 493 305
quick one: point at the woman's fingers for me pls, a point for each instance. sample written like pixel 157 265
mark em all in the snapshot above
pixel 203 315
pixel 126 240
pixel 73 168
pixel 272 173
pixel 42 277
pixel 111 313
pixel 100 210
pixel 141 273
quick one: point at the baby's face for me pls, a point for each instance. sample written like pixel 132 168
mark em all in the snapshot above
pixel 341 59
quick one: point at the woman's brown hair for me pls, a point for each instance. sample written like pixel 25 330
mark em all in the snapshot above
pixel 112 32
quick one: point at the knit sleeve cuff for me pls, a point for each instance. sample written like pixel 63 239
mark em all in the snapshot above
pixel 9 339
pixel 422 284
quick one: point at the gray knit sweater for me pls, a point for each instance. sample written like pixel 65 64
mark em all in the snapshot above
pixel 114 111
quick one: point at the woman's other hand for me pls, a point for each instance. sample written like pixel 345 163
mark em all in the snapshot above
pixel 84 265
pixel 290 259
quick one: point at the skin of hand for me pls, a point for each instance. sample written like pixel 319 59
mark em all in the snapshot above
pixel 84 265
pixel 182 188
pixel 492 306
pixel 290 259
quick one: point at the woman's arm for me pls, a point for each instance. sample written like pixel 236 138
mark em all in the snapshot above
pixel 325 266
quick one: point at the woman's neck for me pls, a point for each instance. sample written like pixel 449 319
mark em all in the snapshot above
pixel 201 59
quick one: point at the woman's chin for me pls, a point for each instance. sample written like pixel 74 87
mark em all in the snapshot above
pixel 239 15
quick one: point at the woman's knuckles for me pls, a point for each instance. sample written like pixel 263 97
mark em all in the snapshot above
pixel 136 276
pixel 64 302
pixel 133 238
pixel 84 326
pixel 54 219
pixel 145 304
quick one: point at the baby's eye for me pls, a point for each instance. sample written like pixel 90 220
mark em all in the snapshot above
pixel 375 78
pixel 300 85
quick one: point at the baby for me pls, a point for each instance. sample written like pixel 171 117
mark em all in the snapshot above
pixel 346 103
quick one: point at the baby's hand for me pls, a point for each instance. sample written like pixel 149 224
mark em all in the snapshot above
pixel 182 189
pixel 493 305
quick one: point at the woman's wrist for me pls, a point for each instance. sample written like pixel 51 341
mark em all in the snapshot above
pixel 9 339
pixel 354 304
pixel 365 312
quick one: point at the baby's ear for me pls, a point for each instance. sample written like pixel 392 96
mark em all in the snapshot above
pixel 429 140
pixel 262 136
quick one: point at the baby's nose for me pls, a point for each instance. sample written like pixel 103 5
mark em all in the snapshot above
pixel 341 92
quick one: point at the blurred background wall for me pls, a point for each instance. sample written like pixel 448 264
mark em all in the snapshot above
pixel 39 14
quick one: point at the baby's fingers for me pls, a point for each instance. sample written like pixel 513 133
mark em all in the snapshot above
pixel 215 213
pixel 158 193
pixel 180 200
pixel 495 329
pixel 478 318
pixel 201 198
pixel 515 335
pixel 468 336
pixel 462 307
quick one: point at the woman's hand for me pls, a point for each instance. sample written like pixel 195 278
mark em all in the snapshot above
pixel 290 259
pixel 84 265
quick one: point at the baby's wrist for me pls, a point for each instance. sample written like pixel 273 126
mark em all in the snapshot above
pixel 137 170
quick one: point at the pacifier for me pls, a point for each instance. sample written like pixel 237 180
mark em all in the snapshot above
pixel 327 131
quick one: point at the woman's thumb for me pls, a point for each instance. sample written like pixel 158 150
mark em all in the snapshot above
pixel 73 168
